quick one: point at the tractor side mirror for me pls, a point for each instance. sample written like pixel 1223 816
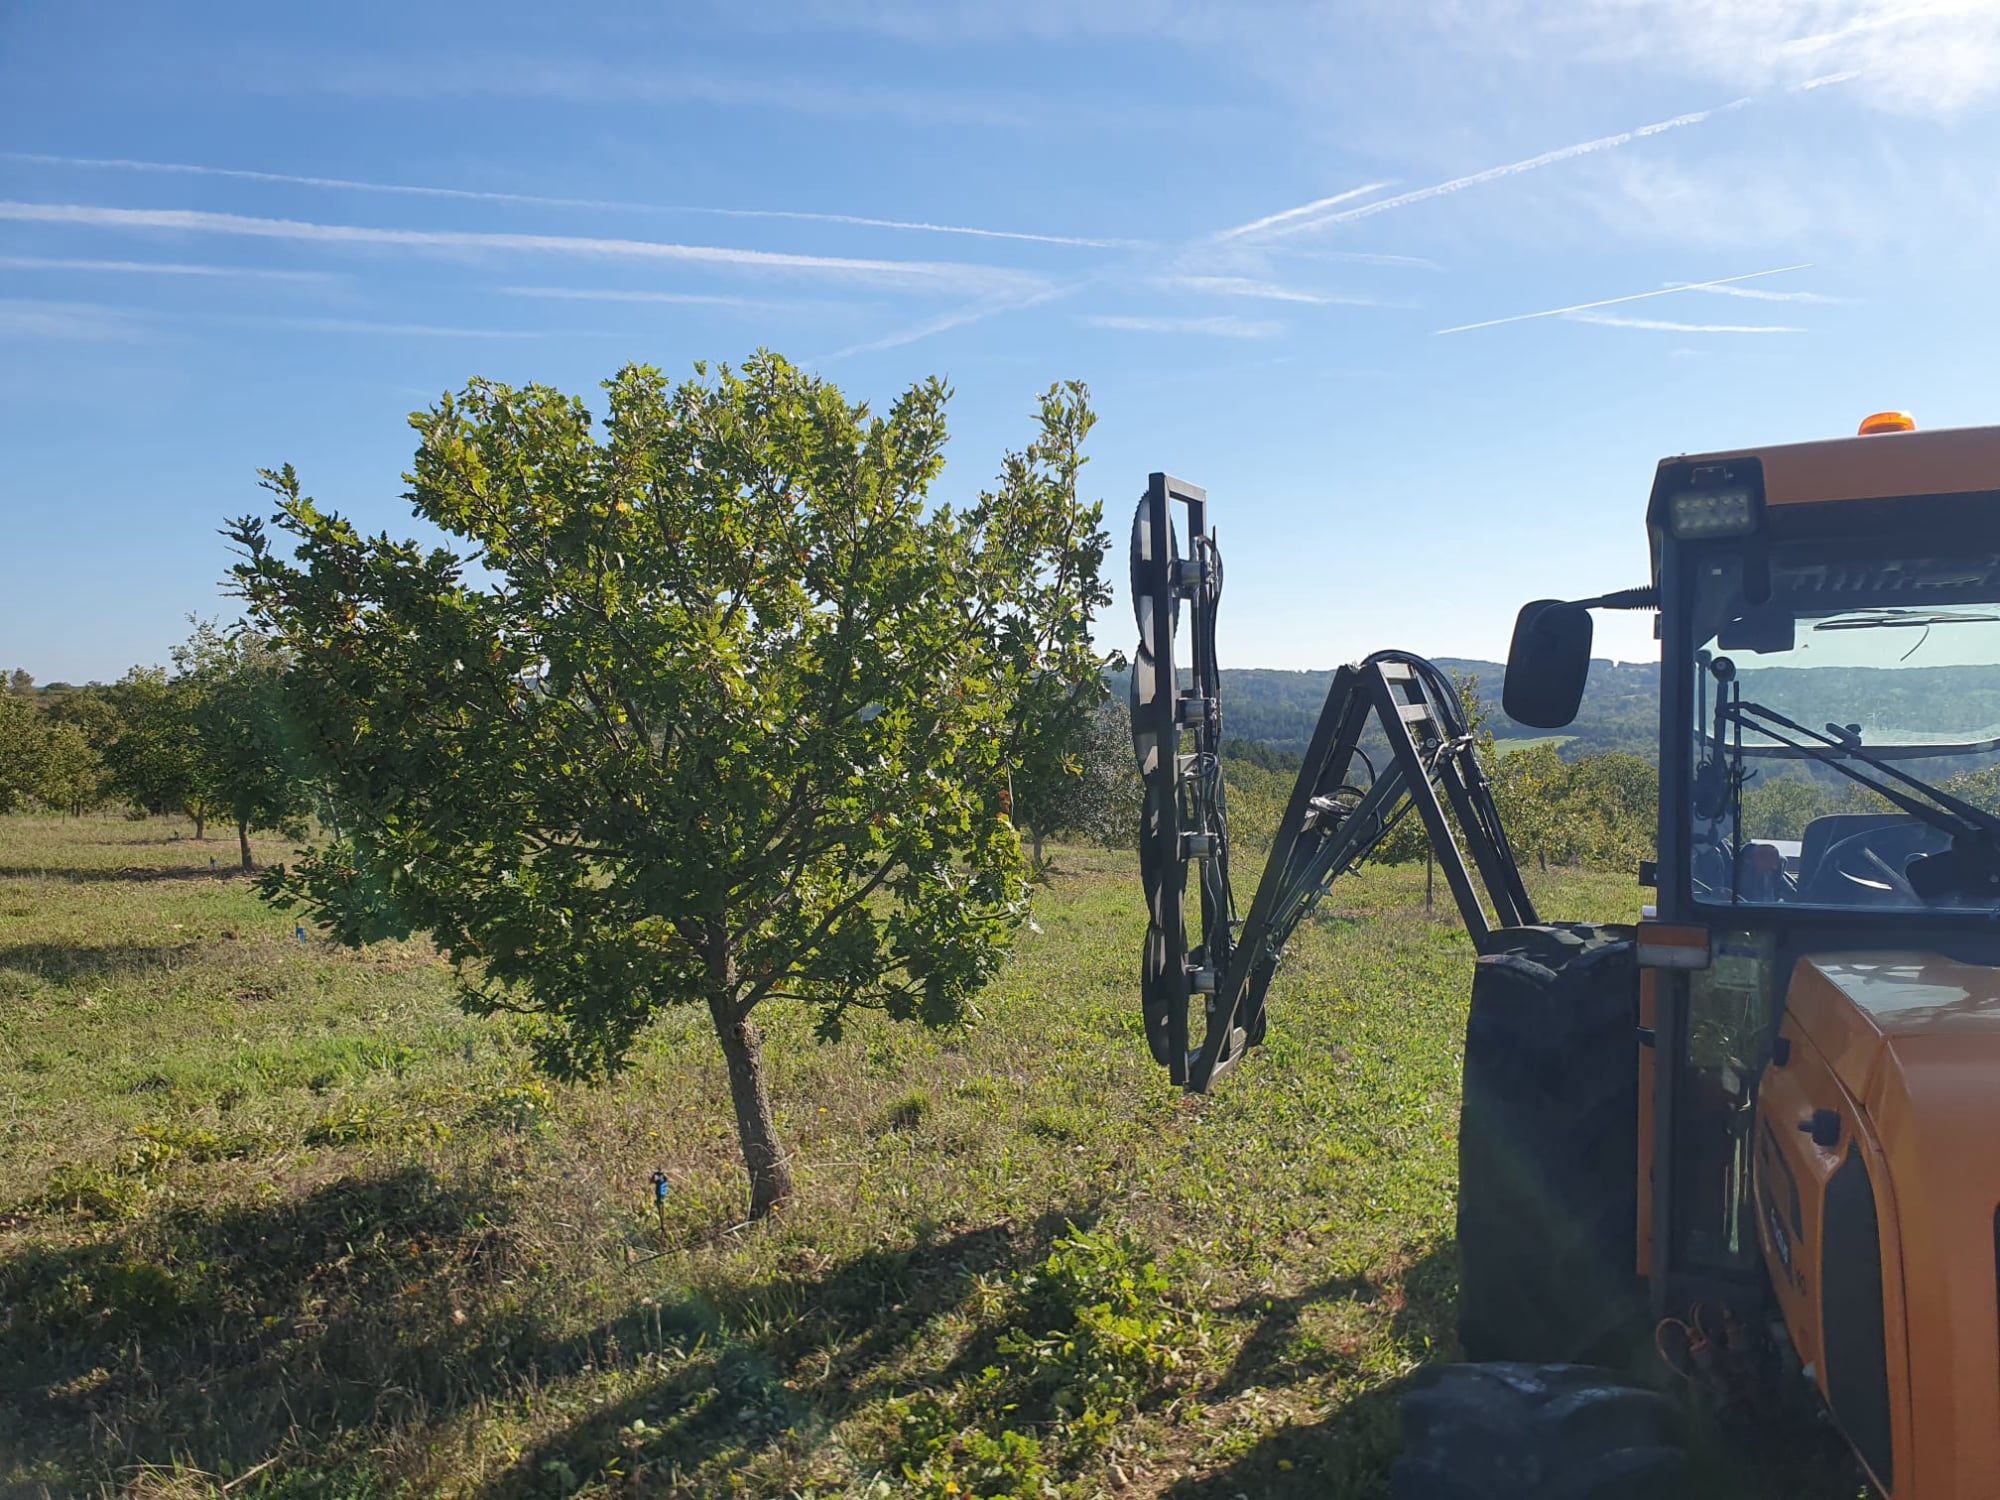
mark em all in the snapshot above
pixel 1547 664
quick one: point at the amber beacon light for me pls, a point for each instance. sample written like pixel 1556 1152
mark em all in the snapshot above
pixel 1888 421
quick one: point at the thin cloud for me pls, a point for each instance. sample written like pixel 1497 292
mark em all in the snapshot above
pixel 1285 216
pixel 1268 291
pixel 536 200
pixel 65 322
pixel 679 299
pixel 157 268
pixel 1661 325
pixel 1224 327
pixel 290 179
pixel 1670 291
pixel 411 330
pixel 551 76
pixel 1311 215
pixel 946 322
pixel 916 226
pixel 936 274
pixel 1754 293
pixel 1367 258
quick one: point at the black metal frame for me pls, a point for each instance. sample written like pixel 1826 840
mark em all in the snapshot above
pixel 1335 819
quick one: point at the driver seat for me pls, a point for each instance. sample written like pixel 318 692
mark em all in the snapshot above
pixel 1823 833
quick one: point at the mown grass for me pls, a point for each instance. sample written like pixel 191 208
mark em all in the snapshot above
pixel 278 1219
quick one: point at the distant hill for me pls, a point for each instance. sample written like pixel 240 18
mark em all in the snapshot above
pixel 1278 709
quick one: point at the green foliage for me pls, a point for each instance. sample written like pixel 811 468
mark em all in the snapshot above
pixel 1981 788
pixel 1088 1336
pixel 1779 807
pixel 941 1458
pixel 153 753
pixel 1601 811
pixel 1098 798
pixel 232 688
pixel 730 714
pixel 45 760
pixel 1098 1332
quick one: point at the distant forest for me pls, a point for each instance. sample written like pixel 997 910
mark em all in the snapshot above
pixel 1268 715
pixel 1277 710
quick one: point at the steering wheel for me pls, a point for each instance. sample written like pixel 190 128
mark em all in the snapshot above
pixel 1708 866
pixel 1867 867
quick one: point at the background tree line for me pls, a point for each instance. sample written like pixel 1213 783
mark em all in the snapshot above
pixel 207 739
pixel 1596 810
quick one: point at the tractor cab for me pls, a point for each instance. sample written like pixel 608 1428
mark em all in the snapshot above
pixel 1820 965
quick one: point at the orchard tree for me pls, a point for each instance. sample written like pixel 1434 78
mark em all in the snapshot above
pixel 154 756
pixel 45 760
pixel 711 705
pixel 232 688
pixel 1091 790
pixel 22 735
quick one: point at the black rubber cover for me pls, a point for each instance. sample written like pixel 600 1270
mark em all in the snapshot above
pixel 1852 1318
pixel 1548 1148
pixel 1551 1432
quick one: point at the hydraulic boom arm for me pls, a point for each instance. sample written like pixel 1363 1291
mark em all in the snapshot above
pixel 1342 807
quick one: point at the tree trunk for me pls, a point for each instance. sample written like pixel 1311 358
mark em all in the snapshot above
pixel 200 822
pixel 243 843
pixel 765 1160
pixel 1036 834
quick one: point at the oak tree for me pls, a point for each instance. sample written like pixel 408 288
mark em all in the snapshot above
pixel 708 703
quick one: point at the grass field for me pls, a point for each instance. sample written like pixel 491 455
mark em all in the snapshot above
pixel 277 1219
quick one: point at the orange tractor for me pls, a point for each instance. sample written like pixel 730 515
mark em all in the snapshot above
pixel 1754 1138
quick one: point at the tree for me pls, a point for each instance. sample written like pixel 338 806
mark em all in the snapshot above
pixel 21 734
pixel 1093 791
pixel 72 775
pixel 45 760
pixel 727 717
pixel 21 683
pixel 154 757
pixel 245 763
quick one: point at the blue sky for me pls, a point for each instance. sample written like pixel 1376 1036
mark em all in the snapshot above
pixel 236 235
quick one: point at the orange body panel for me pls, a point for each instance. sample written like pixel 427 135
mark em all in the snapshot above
pixel 1906 1046
pixel 1950 461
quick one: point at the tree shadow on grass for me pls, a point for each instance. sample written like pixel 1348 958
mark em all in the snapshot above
pixel 1348 1452
pixel 219 1338
pixel 796 1354
pixel 325 1332
pixel 60 963
pixel 225 869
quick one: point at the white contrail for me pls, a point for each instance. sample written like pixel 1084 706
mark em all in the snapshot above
pixel 1257 226
pixel 894 272
pixel 1693 286
pixel 593 294
pixel 408 330
pixel 1754 294
pixel 292 179
pixel 1662 325
pixel 1268 291
pixel 1227 328
pixel 945 322
pixel 155 268
pixel 537 200
pixel 1309 216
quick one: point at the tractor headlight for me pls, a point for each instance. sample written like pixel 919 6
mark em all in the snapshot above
pixel 1696 515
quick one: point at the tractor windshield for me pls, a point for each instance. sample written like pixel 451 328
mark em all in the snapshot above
pixel 1846 746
